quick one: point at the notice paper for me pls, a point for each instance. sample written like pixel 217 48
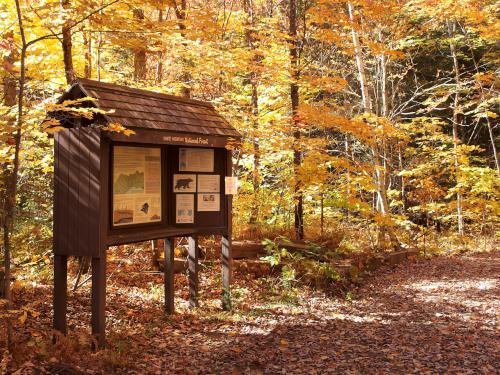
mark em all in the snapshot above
pixel 184 208
pixel 231 185
pixel 196 159
pixel 208 202
pixel 208 183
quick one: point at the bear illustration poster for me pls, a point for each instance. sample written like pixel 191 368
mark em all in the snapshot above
pixel 184 183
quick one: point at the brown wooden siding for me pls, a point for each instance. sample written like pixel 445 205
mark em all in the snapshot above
pixel 77 192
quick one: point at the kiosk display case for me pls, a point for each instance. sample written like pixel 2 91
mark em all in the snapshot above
pixel 165 180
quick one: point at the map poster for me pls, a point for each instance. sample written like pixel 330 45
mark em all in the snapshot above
pixel 208 183
pixel 196 160
pixel 184 208
pixel 184 183
pixel 136 185
pixel 208 202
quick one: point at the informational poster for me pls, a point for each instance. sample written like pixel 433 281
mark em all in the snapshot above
pixel 208 183
pixel 231 185
pixel 196 160
pixel 208 202
pixel 184 208
pixel 136 185
pixel 184 183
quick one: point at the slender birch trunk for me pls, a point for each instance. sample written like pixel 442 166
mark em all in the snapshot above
pixel 403 183
pixel 492 140
pixel 348 179
pixel 488 122
pixel 383 81
pixel 360 62
pixel 380 166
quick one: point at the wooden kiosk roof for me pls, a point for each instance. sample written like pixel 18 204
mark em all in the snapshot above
pixel 142 109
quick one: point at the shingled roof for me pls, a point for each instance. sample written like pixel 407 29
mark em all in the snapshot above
pixel 134 108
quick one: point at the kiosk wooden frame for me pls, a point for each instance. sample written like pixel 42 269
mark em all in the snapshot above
pixel 83 186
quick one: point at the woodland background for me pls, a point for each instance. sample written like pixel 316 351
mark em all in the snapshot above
pixel 368 126
pixel 377 120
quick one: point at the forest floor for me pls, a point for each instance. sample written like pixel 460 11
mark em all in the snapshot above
pixel 426 316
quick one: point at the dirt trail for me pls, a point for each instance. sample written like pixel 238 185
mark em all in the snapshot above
pixel 437 316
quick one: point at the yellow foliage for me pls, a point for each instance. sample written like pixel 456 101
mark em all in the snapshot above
pixel 118 128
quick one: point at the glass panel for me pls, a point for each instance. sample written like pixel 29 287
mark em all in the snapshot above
pixel 136 185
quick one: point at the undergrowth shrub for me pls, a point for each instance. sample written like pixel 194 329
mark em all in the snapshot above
pixel 311 266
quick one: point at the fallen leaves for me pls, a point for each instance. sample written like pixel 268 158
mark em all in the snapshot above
pixel 439 316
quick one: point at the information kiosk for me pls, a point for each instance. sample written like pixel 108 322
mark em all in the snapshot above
pixel 170 178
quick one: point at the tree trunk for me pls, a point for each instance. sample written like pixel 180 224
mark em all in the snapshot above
pixel 256 153
pixel 294 97
pixel 493 146
pixel 12 175
pixel 403 184
pixel 67 46
pixel 181 14
pixel 348 179
pixel 139 53
pixel 380 166
pixel 488 122
pixel 248 6
pixel 98 56
pixel 322 214
pixel 87 44
pixel 383 81
pixel 360 62
pixel 159 65
pixel 10 100
pixel 456 100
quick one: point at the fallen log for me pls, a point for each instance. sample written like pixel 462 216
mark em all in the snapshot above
pixel 247 249
pixel 400 256
pixel 180 265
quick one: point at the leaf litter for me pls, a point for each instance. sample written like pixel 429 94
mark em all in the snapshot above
pixel 427 316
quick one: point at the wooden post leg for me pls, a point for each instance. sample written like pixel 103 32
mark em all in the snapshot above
pixel 227 269
pixel 155 249
pixel 193 271
pixel 99 300
pixel 168 269
pixel 60 292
